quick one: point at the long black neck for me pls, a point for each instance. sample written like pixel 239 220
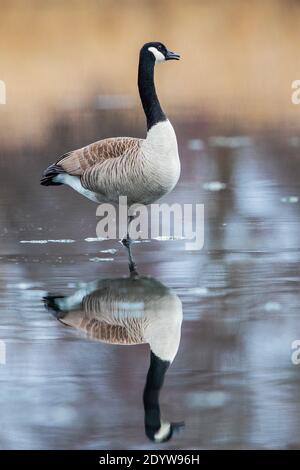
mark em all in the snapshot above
pixel 154 383
pixel 150 102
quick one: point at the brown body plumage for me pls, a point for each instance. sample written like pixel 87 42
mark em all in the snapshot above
pixel 80 162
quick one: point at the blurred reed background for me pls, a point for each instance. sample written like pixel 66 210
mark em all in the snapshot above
pixel 239 59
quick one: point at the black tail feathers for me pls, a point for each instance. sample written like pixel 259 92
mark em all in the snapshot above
pixel 50 173
pixel 50 302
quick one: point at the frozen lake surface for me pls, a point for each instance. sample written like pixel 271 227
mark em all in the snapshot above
pixel 232 381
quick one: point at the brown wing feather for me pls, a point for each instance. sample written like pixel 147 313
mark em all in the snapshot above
pixel 76 162
pixel 110 333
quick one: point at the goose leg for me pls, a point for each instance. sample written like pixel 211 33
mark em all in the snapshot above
pixel 127 242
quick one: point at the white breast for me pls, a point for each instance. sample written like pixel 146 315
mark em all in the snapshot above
pixel 160 151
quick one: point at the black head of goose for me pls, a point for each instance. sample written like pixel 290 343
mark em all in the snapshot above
pixel 130 311
pixel 143 170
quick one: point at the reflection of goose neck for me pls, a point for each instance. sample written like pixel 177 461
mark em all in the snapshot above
pixel 154 383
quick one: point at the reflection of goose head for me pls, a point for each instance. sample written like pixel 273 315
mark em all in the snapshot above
pixel 130 311
pixel 156 429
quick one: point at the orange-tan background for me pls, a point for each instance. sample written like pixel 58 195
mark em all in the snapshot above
pixel 238 58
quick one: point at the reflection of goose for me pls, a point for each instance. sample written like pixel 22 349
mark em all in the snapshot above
pixel 130 311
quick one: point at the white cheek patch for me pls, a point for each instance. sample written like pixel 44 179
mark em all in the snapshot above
pixel 159 57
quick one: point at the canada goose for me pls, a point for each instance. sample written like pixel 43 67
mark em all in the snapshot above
pixel 141 169
pixel 130 311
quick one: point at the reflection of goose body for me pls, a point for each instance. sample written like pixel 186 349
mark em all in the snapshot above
pixel 130 311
